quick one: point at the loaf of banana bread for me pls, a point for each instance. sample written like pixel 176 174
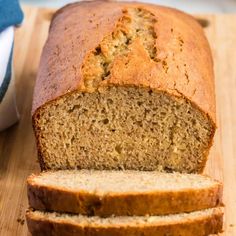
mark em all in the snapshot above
pixel 124 86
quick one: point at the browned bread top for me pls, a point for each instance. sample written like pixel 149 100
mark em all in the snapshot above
pixel 176 59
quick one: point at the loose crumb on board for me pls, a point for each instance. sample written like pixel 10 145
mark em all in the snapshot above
pixel 21 221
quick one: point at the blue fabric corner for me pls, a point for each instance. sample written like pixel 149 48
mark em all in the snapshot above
pixel 7 77
pixel 10 13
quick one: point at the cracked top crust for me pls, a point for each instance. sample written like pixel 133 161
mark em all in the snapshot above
pixel 164 49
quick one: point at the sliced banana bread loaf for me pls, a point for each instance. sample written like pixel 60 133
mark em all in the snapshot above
pixel 106 193
pixel 199 223
pixel 124 86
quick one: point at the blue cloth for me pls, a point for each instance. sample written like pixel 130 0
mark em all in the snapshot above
pixel 10 13
pixel 7 78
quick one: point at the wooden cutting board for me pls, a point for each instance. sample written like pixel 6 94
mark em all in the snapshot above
pixel 17 147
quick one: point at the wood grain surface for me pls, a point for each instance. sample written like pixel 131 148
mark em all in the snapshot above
pixel 18 157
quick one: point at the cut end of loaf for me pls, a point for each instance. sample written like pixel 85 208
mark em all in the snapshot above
pixel 123 128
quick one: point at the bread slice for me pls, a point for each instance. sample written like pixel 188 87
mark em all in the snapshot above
pixel 106 193
pixel 199 223
pixel 124 86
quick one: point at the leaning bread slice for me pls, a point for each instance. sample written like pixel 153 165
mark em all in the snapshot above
pixel 105 193
pixel 198 223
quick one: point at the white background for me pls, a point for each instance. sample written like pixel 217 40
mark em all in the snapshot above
pixel 192 6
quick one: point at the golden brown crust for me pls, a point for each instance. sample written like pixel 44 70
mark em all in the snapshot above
pixel 201 226
pixel 180 44
pixel 66 47
pixel 151 203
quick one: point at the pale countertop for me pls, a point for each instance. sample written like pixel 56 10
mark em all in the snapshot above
pixel 191 6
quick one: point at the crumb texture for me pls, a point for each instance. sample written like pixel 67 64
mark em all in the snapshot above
pixel 106 182
pixel 124 128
